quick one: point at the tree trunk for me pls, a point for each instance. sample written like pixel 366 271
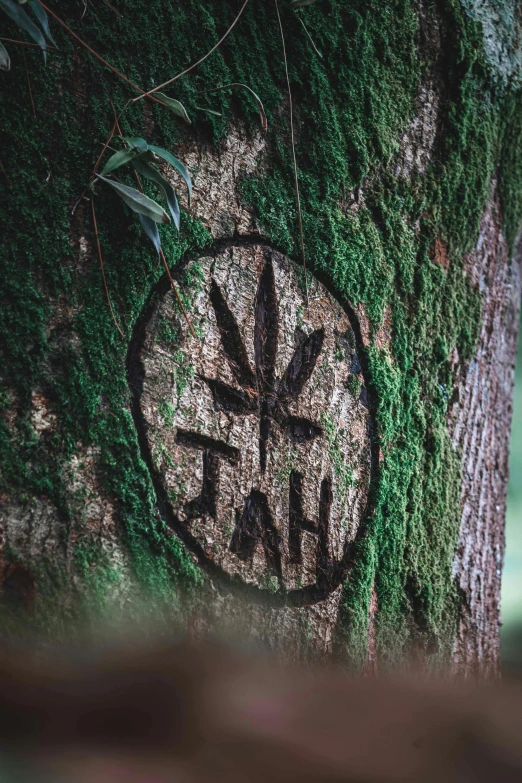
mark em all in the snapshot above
pixel 317 460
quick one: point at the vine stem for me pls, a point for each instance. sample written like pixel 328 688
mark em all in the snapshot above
pixel 115 127
pixel 296 178
pixel 100 256
pixel 162 254
pixel 194 65
pixel 178 297
pixel 100 156
pixel 29 84
pixel 26 43
pixel 109 5
pixel 149 94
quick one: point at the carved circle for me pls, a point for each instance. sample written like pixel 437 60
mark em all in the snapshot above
pixel 258 435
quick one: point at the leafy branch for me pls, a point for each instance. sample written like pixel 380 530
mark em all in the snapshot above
pixel 140 156
pixel 137 153
pixel 19 15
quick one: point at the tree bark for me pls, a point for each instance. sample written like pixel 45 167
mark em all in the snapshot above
pixel 317 461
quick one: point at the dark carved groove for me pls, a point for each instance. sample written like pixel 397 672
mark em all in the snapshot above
pixel 297 521
pixel 266 329
pixel 256 526
pixel 231 339
pixel 300 430
pixel 301 367
pixel 272 404
pixel 206 501
pixel 363 397
pixel 231 400
pixel 216 447
pixel 265 427
pixel 355 365
pixel 323 561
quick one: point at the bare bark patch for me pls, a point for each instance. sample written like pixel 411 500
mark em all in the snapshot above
pixel 37 530
pixel 480 424
pixel 439 254
pixel 42 417
pixel 217 172
pixel 380 336
pixel 418 139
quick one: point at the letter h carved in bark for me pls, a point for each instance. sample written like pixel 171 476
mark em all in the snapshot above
pixel 298 523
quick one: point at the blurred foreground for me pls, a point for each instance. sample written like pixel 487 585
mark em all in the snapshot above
pixel 183 713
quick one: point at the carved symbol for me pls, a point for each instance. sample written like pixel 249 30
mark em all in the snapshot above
pixel 263 394
pixel 258 436
pixel 260 392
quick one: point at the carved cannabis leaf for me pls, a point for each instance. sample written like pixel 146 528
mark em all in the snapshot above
pixel 260 392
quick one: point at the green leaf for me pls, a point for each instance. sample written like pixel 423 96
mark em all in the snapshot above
pixel 136 142
pixel 119 158
pixel 175 163
pixel 148 171
pixel 209 111
pixel 137 201
pixel 151 229
pixel 23 20
pixel 41 15
pixel 174 105
pixel 240 86
pixel 5 60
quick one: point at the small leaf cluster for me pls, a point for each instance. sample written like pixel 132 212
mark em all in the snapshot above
pixel 141 157
pixel 19 15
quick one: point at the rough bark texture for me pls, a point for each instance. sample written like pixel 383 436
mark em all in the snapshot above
pixel 480 425
pixel 409 147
